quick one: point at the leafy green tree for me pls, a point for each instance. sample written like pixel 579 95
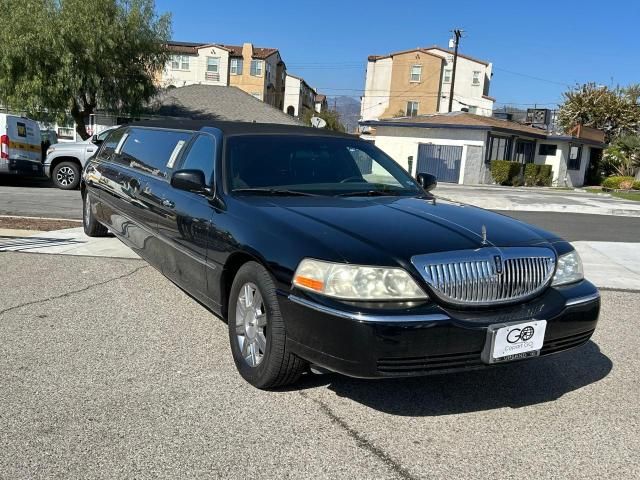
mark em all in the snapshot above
pixel 615 111
pixel 330 116
pixel 80 55
pixel 622 157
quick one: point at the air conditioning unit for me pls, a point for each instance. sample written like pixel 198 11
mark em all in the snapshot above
pixel 539 117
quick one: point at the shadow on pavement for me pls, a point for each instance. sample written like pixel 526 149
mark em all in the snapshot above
pixel 25 244
pixel 33 182
pixel 513 385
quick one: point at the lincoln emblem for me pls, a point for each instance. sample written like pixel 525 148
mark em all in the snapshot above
pixel 484 235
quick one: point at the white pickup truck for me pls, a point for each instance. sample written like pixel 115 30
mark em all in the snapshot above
pixel 65 161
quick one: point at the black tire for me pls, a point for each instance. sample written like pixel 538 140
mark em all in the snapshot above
pixel 92 227
pixel 66 175
pixel 278 366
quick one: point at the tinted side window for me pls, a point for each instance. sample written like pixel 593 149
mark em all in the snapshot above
pixel 201 156
pixel 110 144
pixel 153 150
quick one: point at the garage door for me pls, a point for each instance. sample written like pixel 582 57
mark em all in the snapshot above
pixel 443 161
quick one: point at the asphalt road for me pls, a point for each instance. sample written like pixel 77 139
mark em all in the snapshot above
pixel 41 199
pixel 107 370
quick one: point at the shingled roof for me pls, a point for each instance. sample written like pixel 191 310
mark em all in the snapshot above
pixel 214 102
pixel 258 52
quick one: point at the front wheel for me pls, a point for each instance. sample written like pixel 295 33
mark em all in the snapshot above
pixel 66 175
pixel 257 332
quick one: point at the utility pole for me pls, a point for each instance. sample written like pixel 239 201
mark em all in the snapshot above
pixel 457 34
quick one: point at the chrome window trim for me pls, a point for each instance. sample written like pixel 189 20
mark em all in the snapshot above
pixel 367 318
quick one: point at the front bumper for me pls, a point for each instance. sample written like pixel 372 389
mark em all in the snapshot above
pixel 421 340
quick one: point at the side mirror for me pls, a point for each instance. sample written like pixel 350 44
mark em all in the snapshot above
pixel 189 180
pixel 427 181
pixel 94 140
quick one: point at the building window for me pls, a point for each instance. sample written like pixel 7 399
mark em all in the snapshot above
pixel 268 72
pixel 416 73
pixel 575 156
pixel 476 78
pixel 546 149
pixel 236 66
pixel 473 109
pixel 256 68
pixel 213 64
pixel 412 109
pixel 525 151
pixel 447 76
pixel 179 62
pixel 499 148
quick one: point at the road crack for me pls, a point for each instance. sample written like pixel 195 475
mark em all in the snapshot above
pixel 73 292
pixel 361 441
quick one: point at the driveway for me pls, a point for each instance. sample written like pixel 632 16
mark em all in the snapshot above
pixel 537 200
pixel 110 371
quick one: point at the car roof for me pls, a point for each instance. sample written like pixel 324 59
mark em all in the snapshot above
pixel 240 128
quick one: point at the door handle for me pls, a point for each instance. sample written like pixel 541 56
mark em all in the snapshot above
pixel 168 203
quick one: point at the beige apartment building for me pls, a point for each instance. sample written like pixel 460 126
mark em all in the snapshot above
pixel 258 71
pixel 418 82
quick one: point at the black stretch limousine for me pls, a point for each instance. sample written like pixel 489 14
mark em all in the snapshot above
pixel 318 248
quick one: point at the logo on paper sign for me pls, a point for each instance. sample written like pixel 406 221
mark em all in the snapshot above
pixel 521 335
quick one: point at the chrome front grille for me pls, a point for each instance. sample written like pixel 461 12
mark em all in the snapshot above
pixel 488 275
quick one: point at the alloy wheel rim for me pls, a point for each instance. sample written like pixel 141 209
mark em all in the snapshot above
pixel 65 176
pixel 251 324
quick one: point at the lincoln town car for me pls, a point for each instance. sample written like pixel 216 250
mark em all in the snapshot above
pixel 318 249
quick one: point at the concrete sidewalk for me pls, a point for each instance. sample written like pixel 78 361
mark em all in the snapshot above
pixel 494 197
pixel 607 264
pixel 70 241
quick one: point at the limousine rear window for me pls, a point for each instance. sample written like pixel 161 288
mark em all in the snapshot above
pixel 149 150
pixel 313 164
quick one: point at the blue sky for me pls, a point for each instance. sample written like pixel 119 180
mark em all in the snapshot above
pixel 538 48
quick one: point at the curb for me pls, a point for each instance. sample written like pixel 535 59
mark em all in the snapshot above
pixel 53 219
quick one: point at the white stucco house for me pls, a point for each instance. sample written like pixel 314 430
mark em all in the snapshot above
pixel 458 147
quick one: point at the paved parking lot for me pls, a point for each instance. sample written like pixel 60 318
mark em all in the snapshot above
pixel 107 370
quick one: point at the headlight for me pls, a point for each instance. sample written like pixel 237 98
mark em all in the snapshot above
pixel 569 269
pixel 356 282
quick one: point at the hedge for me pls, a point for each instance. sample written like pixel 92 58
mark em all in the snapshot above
pixel 636 185
pixel 618 183
pixel 537 175
pixel 505 172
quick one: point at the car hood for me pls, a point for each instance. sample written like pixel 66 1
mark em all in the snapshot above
pixel 72 145
pixel 386 230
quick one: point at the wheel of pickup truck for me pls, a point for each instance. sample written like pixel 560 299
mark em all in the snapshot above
pixel 92 227
pixel 257 332
pixel 66 175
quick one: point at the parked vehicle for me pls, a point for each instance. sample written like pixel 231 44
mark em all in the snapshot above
pixel 316 247
pixel 65 161
pixel 20 146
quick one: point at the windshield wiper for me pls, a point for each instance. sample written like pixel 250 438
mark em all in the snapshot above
pixel 275 191
pixel 368 193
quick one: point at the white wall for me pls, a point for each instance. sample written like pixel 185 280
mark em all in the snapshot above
pixel 376 90
pixel 465 93
pixel 292 94
pixel 197 69
pixel 562 176
pixel 401 142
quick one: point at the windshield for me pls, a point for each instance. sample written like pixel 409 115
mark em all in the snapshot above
pixel 314 165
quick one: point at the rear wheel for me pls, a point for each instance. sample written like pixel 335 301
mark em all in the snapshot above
pixel 257 332
pixel 66 175
pixel 92 227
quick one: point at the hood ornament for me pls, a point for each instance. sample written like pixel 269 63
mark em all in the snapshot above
pixel 484 235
